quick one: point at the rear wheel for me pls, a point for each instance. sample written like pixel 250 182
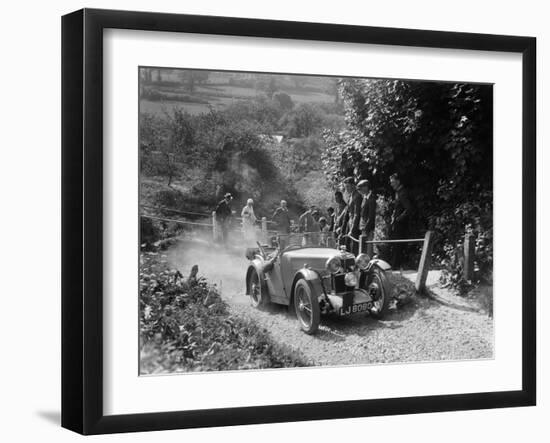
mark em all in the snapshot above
pixel 377 287
pixel 306 307
pixel 256 290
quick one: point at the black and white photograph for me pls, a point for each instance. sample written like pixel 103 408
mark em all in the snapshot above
pixel 275 221
pixel 292 220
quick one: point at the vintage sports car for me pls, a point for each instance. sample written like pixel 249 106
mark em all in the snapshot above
pixel 316 279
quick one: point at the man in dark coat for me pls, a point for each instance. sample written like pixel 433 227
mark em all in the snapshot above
pixel 281 218
pixel 399 227
pixel 340 216
pixel 368 213
pixel 223 216
pixel 353 215
pixel 306 222
pixel 331 219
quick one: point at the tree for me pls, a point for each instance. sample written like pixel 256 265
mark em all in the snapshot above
pixel 303 121
pixel 284 100
pixel 266 113
pixel 436 136
pixel 190 78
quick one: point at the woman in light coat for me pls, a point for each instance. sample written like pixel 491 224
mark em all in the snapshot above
pixel 249 223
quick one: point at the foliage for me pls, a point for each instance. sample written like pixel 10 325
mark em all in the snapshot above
pixel 302 121
pixel 234 149
pixel 298 156
pixel 284 100
pixel 316 190
pixel 186 326
pixel 228 147
pixel 438 138
pixel 150 232
pixel 268 84
pixel 190 78
pixel 263 112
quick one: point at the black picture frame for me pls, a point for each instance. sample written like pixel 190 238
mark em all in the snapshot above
pixel 82 216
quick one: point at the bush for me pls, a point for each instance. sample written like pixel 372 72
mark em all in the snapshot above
pixel 473 218
pixel 150 232
pixel 438 138
pixel 186 326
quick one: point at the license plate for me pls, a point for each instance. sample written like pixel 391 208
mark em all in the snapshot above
pixel 353 309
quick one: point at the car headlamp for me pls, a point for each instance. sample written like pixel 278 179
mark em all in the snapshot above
pixel 350 279
pixel 333 264
pixel 362 261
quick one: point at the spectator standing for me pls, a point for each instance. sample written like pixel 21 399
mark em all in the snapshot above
pixel 368 213
pixel 331 218
pixel 353 215
pixel 249 223
pixel 314 228
pixel 324 228
pixel 340 216
pixel 281 218
pixel 340 204
pixel 399 227
pixel 306 222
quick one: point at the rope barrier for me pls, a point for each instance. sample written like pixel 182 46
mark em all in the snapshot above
pixel 176 211
pixel 406 240
pixel 169 220
pixel 375 242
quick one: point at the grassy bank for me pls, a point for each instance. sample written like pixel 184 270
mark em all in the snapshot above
pixel 185 326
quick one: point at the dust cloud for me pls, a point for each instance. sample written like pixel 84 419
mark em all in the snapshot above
pixel 224 267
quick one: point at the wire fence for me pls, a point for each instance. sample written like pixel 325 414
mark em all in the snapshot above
pixel 318 238
pixel 191 213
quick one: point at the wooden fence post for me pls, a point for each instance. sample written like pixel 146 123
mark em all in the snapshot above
pixel 361 242
pixel 425 261
pixel 264 230
pixel 214 227
pixel 469 250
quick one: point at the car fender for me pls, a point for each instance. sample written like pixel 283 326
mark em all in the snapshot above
pixel 312 278
pixel 385 268
pixel 383 265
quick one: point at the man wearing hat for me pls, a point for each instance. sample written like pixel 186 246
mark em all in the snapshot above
pixel 353 215
pixel 223 216
pixel 307 222
pixel 368 213
pixel 281 218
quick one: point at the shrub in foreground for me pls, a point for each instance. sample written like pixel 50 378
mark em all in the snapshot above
pixel 186 326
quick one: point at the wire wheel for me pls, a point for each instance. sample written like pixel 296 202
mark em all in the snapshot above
pixel 306 307
pixel 377 289
pixel 255 289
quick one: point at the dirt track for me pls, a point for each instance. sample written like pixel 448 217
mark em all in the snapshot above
pixel 423 330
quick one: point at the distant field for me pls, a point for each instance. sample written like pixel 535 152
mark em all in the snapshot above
pixel 218 96
pixel 159 108
pixel 311 97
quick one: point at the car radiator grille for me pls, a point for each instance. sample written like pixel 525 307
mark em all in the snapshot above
pixel 348 263
pixel 340 285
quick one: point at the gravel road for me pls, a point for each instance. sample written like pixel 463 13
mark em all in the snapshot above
pixel 426 329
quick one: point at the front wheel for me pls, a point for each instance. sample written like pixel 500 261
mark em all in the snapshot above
pixel 378 289
pixel 256 290
pixel 306 307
